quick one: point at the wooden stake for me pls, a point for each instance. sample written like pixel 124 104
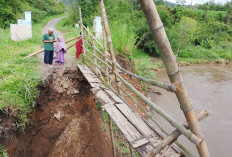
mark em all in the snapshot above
pixel 132 151
pixel 109 39
pixel 161 39
pixel 93 45
pixel 82 31
pixel 105 51
pixel 112 136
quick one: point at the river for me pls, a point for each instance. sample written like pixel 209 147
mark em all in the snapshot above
pixel 210 88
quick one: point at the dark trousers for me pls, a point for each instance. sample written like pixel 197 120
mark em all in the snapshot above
pixel 48 56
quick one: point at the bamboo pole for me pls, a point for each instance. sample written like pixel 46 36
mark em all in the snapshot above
pixel 132 152
pixel 112 136
pixel 93 46
pixel 42 50
pixel 105 50
pixel 159 34
pixel 175 134
pixel 168 87
pixel 109 39
pixel 73 44
pixel 185 151
pixel 92 36
pixel 82 31
pixel 193 138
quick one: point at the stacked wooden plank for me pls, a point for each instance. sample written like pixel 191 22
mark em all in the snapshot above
pixel 140 136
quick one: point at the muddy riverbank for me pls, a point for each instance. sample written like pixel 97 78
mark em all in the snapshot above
pixel 210 88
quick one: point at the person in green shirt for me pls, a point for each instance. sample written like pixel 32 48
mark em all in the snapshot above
pixel 48 40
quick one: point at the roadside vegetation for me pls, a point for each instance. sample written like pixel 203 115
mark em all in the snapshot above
pixel 197 34
pixel 18 76
pixel 12 10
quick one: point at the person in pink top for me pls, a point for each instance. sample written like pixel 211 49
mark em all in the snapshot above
pixel 60 50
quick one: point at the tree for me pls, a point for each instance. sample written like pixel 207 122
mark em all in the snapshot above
pixel 229 12
pixel 206 11
pixel 159 2
pixel 9 12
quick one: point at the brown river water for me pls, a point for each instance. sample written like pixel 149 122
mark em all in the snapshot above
pixel 210 88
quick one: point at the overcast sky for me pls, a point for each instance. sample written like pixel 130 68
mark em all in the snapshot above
pixel 201 1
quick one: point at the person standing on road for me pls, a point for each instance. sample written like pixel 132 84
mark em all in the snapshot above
pixel 48 39
pixel 60 50
pixel 79 47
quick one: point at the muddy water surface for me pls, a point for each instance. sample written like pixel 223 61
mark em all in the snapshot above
pixel 210 88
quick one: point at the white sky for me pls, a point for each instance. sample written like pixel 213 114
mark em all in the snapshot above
pixel 201 1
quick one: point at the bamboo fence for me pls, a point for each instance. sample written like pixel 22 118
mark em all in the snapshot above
pixel 106 63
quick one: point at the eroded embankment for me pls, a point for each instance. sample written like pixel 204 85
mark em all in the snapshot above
pixel 65 121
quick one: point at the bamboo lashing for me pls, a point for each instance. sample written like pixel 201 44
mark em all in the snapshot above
pixel 42 50
pixel 161 39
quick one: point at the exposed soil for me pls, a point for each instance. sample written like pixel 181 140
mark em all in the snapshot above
pixel 65 121
pixel 128 65
pixel 125 63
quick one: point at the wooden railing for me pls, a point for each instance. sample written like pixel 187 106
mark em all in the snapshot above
pixel 100 57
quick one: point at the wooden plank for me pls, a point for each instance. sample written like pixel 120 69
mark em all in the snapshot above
pixel 137 121
pixel 87 72
pixel 114 96
pixel 103 97
pixel 94 85
pixel 92 80
pixel 95 90
pixel 128 130
pixel 84 70
pixel 139 143
pixel 145 150
pixel 91 75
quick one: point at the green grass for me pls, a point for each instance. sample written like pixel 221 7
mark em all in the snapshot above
pixel 3 152
pixel 18 76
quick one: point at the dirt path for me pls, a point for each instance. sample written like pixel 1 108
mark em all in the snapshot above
pixel 65 121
